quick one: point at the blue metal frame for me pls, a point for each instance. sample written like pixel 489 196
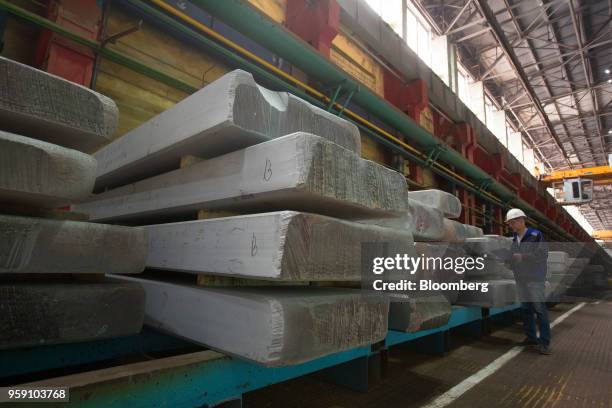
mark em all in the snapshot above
pixel 497 310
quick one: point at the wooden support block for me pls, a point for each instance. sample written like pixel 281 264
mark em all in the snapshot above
pixel 226 281
pixel 190 160
pixel 52 214
pixel 205 214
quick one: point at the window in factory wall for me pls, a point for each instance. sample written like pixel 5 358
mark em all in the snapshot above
pixel 529 159
pixel 463 86
pixel 424 44
pixel 392 14
pixel 418 35
pixel 418 32
pixel 496 121
pixel 411 31
pixel 390 11
pixel 515 144
pixel 489 108
pixel 441 54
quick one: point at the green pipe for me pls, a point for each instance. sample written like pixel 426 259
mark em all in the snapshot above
pixel 253 24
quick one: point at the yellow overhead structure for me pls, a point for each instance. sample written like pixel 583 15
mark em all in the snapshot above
pixel 599 174
pixel 603 182
pixel 602 234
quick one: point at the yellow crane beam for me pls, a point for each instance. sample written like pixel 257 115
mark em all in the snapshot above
pixel 593 173
pixel 602 234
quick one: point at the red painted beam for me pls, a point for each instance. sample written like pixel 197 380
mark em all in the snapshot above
pixel 410 98
pixel 62 57
pixel 316 22
pixel 528 194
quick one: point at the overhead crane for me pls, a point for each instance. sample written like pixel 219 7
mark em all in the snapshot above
pixel 598 173
pixel 604 235
pixel 575 186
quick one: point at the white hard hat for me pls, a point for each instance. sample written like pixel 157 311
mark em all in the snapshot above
pixel 515 213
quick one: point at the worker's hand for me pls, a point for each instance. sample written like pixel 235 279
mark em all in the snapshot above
pixel 517 257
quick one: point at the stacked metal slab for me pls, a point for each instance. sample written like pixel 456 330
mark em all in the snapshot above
pixel 557 277
pixel 586 277
pixel 52 122
pixel 433 213
pixel 436 235
pixel 501 286
pixel 574 280
pixel 293 177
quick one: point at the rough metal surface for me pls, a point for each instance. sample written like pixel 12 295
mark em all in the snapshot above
pixel 443 201
pixel 229 114
pixel 558 257
pixel 440 250
pixel 299 172
pixel 418 311
pixel 37 245
pixel 43 174
pixel 43 106
pixel 454 231
pixel 427 223
pixel 34 313
pixel 493 246
pixel 472 231
pixel 493 269
pixel 287 245
pixel 500 293
pixel 270 326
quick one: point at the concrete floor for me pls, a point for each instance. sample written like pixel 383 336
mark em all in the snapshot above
pixel 578 374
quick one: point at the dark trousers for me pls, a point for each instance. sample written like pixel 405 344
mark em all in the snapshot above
pixel 533 304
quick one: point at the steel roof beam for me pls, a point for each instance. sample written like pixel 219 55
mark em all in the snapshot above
pixel 586 66
pixel 518 69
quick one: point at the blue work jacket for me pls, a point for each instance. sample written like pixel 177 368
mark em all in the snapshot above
pixel 534 251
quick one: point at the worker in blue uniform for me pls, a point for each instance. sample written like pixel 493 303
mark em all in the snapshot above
pixel 529 255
